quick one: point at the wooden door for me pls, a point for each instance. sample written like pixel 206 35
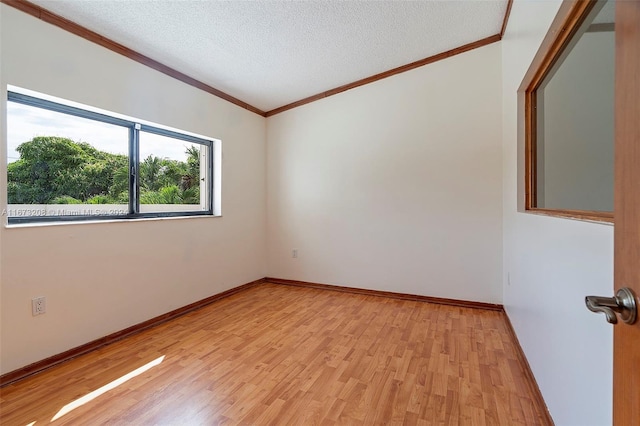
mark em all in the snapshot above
pixel 626 365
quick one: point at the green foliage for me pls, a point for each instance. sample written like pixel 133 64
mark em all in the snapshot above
pixel 120 183
pixel 191 195
pixel 101 199
pixel 171 194
pixel 193 161
pixel 65 199
pixel 149 173
pixel 55 170
pixel 52 167
pixel 151 197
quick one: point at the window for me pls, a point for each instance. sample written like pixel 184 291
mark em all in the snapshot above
pixel 70 163
pixel 569 123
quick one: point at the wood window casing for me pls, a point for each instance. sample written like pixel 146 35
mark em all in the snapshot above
pixel 570 17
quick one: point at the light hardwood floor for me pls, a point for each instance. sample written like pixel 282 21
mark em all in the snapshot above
pixel 286 355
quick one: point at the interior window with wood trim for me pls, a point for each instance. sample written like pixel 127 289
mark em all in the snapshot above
pixel 68 162
pixel 569 122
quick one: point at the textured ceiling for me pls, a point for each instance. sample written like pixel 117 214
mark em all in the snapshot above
pixel 271 53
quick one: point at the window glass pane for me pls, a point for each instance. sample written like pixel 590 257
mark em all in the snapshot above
pixel 60 165
pixel 172 175
pixel 575 123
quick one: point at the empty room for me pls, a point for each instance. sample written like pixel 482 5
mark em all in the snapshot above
pixel 319 212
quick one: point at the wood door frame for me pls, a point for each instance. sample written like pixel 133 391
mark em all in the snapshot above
pixel 626 346
pixel 567 23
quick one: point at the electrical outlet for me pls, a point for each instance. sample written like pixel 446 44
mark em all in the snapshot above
pixel 294 253
pixel 38 306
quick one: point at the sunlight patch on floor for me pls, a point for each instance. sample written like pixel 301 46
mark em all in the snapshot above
pixel 106 388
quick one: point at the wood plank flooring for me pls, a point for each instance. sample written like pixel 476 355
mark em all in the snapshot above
pixel 292 356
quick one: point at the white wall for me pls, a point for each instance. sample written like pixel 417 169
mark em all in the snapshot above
pixel 550 264
pixel 578 129
pixel 103 277
pixel 395 185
